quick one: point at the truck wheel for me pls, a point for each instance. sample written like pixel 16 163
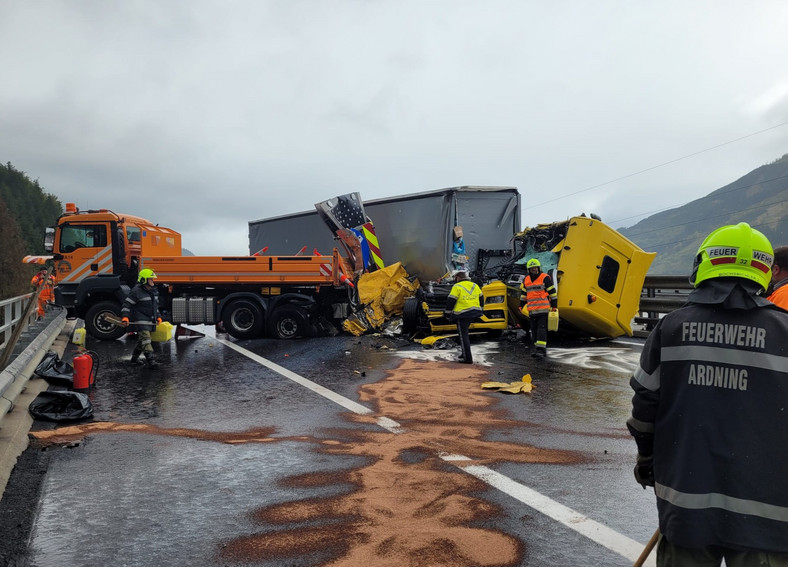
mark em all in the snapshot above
pixel 100 329
pixel 243 319
pixel 410 315
pixel 289 322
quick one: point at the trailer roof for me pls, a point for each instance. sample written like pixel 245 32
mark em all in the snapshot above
pixel 408 197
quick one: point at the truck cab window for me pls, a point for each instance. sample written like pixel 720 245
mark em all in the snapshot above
pixel 76 236
pixel 133 233
pixel 608 274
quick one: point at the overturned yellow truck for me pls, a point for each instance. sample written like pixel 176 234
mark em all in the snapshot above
pixel 599 274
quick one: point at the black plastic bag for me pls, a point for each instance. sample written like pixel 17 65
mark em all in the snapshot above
pixel 54 371
pixel 61 406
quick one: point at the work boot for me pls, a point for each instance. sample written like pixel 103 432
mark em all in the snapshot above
pixel 135 357
pixel 150 360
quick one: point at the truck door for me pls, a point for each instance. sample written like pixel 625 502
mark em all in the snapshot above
pixel 82 250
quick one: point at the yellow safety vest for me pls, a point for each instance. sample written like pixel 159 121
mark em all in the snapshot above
pixel 467 294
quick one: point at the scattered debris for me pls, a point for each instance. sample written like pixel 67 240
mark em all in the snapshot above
pixel 525 386
pixel 382 295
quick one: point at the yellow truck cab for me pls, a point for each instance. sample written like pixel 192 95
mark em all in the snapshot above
pixel 598 272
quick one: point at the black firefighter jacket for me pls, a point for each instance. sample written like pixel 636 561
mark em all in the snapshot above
pixel 141 306
pixel 711 402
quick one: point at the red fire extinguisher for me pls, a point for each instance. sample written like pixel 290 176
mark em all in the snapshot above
pixel 85 369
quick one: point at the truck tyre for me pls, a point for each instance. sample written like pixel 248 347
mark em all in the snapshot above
pixel 410 315
pixel 100 329
pixel 288 322
pixel 243 319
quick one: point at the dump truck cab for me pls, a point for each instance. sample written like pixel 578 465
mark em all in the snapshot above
pixel 96 256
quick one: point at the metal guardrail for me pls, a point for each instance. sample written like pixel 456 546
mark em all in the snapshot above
pixel 12 313
pixel 14 377
pixel 661 295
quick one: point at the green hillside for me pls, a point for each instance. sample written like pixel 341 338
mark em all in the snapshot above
pixel 759 198
pixel 25 211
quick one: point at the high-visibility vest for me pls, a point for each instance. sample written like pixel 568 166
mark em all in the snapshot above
pixel 780 296
pixel 467 294
pixel 48 284
pixel 536 296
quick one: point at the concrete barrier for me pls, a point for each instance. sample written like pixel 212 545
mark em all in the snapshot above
pixel 18 387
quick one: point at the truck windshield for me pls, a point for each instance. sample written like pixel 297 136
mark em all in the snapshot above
pixel 73 236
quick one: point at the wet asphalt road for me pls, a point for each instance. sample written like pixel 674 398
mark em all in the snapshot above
pixel 147 498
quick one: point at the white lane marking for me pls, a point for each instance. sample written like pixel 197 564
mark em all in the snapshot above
pixel 317 388
pixel 584 525
pixel 390 425
pixel 596 532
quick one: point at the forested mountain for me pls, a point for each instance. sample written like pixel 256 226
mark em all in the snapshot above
pixel 760 198
pixel 25 211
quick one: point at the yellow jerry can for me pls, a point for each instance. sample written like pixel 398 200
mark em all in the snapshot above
pixel 552 320
pixel 163 332
pixel 79 337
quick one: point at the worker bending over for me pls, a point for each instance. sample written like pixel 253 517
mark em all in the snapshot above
pixel 537 298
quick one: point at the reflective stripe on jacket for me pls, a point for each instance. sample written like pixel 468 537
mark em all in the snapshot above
pixel 538 293
pixel 141 306
pixel 710 401
pixel 468 296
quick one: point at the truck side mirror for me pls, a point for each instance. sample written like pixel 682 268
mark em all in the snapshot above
pixel 49 239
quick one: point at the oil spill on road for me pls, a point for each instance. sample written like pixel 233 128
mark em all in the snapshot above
pixel 407 506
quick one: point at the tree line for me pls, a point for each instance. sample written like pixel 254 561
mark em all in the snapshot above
pixel 25 212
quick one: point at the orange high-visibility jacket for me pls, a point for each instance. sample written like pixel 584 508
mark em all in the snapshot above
pixel 48 283
pixel 538 293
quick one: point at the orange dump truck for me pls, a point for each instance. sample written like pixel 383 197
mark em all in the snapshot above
pixel 98 253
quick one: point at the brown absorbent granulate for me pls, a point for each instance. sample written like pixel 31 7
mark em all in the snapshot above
pixel 400 512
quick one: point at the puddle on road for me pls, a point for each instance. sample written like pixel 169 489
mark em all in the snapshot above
pixel 606 358
pixel 407 506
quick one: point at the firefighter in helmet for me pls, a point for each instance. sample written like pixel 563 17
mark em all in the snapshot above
pixel 537 298
pixel 140 312
pixel 709 411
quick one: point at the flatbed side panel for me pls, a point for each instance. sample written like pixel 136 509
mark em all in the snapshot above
pixel 264 270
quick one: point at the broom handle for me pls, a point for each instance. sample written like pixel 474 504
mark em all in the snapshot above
pixel 647 550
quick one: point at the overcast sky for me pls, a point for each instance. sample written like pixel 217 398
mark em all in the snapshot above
pixel 204 115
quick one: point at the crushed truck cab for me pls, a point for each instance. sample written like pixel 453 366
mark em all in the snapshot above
pixel 598 272
pixel 424 313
